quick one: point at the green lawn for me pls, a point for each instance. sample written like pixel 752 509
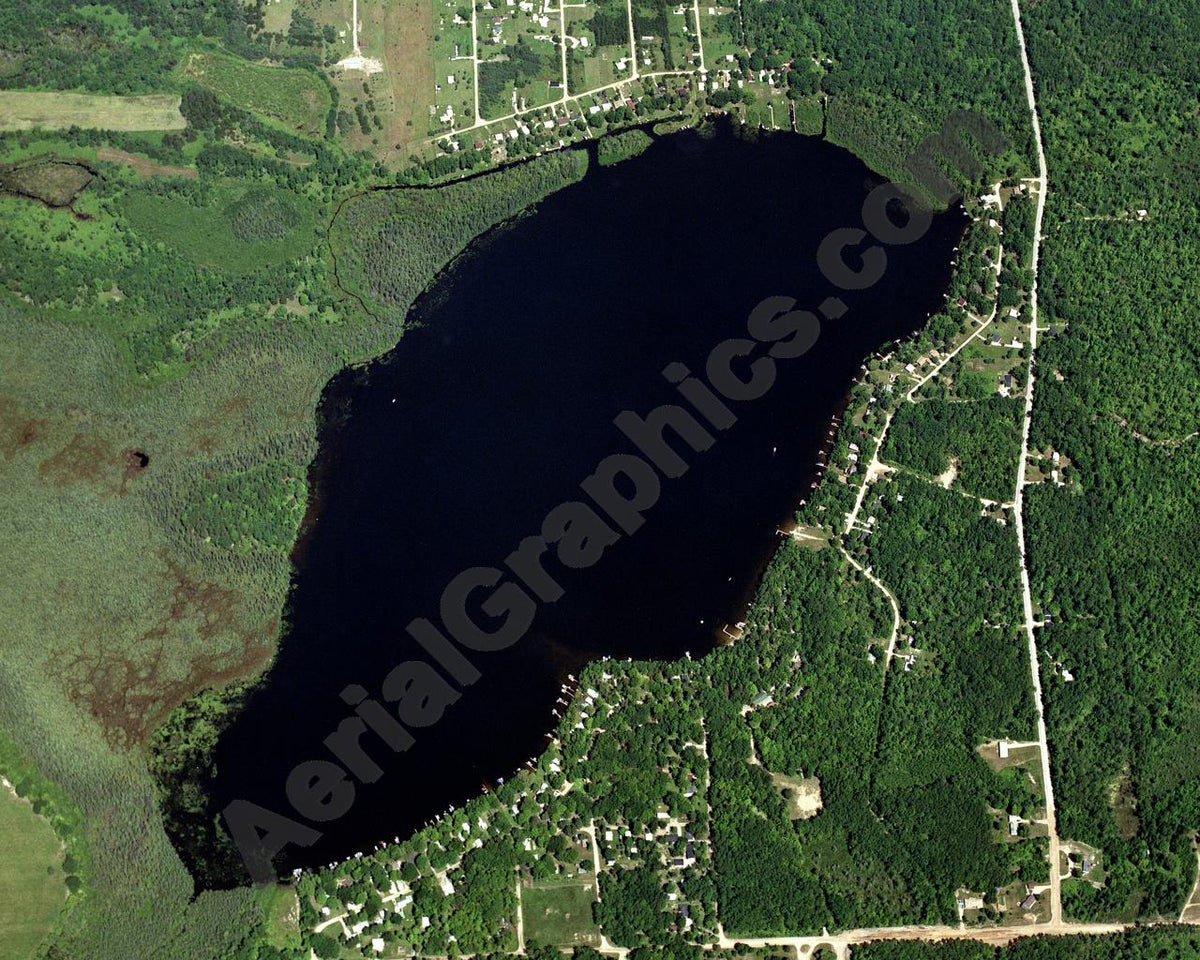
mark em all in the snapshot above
pixel 32 890
pixel 560 916
pixel 281 908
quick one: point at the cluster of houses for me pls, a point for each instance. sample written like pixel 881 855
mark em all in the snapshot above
pixel 622 843
pixel 539 15
pixel 539 125
pixel 669 842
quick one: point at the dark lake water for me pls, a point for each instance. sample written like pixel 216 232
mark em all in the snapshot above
pixel 446 453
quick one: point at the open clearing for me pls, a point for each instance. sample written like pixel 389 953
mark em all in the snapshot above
pixel 1018 754
pixel 400 36
pixel 32 890
pixel 408 65
pixel 143 165
pixel 277 16
pixel 802 794
pixel 560 915
pixel 281 907
pixel 25 110
pixel 297 98
pixel 1028 756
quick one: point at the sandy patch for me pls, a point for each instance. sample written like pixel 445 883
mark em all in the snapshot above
pixel 946 477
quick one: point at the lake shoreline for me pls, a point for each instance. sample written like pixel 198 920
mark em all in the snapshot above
pixel 338 406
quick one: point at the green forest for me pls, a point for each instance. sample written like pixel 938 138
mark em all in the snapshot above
pixel 895 71
pixel 904 821
pixel 982 439
pixel 1112 558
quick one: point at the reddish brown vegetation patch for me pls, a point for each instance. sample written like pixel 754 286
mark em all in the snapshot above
pixel 86 459
pixel 17 430
pixel 131 690
pixel 143 165
pixel 90 459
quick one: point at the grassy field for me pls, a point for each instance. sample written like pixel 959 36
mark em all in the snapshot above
pixel 717 21
pixel 451 52
pixel 560 916
pixel 24 110
pixel 31 879
pixel 519 59
pixel 281 909
pixel 400 35
pixel 592 63
pixel 408 67
pixel 297 98
pixel 277 16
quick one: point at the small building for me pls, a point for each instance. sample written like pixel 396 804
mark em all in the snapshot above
pixel 1014 825
pixel 1029 902
pixel 762 700
pixel 1002 748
